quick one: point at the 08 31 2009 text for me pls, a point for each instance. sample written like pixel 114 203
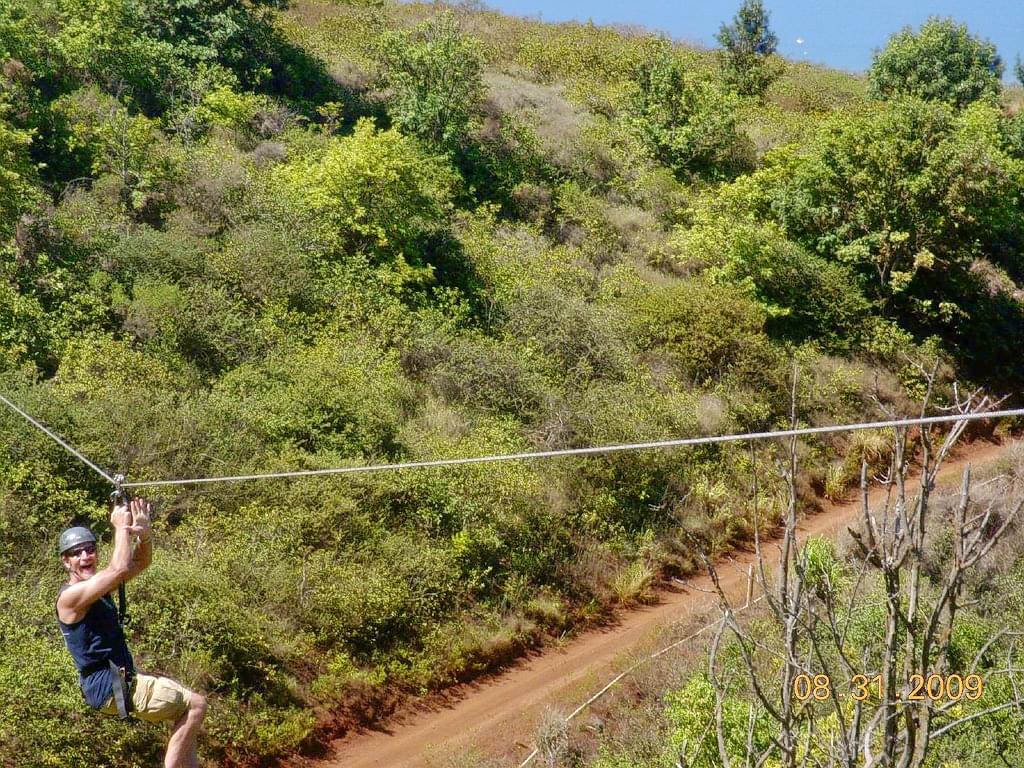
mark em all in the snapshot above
pixel 933 687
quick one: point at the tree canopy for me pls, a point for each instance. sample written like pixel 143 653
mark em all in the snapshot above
pixel 942 61
pixel 749 42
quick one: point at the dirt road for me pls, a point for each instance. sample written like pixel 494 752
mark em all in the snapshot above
pixel 497 715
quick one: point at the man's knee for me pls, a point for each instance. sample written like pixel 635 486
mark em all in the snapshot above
pixel 197 706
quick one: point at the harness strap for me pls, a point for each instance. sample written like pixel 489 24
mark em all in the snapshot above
pixel 122 606
pixel 121 678
pixel 121 496
pixel 122 691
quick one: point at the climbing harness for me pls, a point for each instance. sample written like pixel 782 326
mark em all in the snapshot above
pixel 123 683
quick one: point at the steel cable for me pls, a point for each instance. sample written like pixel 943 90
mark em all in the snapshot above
pixel 587 451
pixel 60 441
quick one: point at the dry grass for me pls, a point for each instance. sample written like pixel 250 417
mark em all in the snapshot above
pixel 552 737
pixel 809 88
pixel 632 584
pixel 1013 98
pixel 640 234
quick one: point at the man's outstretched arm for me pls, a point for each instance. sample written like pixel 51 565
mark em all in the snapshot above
pixel 75 601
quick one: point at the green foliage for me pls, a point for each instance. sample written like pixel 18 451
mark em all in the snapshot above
pixel 145 51
pixel 822 570
pixel 342 395
pixel 811 89
pixel 891 192
pixel 100 43
pixel 23 331
pixel 690 714
pixel 574 50
pixel 434 76
pixel 374 190
pixel 942 61
pixel 127 146
pixel 749 43
pixel 681 119
pixel 232 109
pixel 804 295
pixel 17 175
pixel 706 329
pixel 228 32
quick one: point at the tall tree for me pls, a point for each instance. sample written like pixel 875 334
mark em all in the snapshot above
pixel 749 42
pixel 943 61
pixel 682 121
pixel 435 77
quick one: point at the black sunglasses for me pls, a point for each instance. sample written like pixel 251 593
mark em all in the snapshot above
pixel 90 548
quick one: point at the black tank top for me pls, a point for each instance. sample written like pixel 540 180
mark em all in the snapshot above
pixel 93 642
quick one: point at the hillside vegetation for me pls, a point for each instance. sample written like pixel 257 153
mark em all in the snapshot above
pixel 247 236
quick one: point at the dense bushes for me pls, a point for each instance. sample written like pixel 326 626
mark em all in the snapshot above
pixel 209 267
pixel 685 122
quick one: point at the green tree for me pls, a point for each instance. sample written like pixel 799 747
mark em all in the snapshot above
pixel 227 32
pixel 17 172
pixel 99 43
pixel 373 191
pixel 943 61
pixel 902 192
pixel 749 42
pixel 434 75
pixel 119 143
pixel 682 120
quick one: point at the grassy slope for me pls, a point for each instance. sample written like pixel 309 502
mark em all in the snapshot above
pixel 301 607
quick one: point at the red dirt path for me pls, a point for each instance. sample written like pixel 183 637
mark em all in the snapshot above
pixel 497 715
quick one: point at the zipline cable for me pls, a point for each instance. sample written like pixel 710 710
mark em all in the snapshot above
pixel 60 441
pixel 588 451
pixel 689 441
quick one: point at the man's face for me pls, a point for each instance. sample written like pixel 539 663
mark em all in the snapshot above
pixel 80 562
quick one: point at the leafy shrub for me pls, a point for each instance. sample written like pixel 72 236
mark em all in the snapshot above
pixel 23 331
pixel 811 89
pixel 376 190
pixel 705 328
pixel 942 61
pixel 493 376
pixel 101 43
pixel 129 147
pixel 683 121
pixel 690 714
pixel 915 219
pixel 342 394
pixel 805 296
pixel 17 191
pixel 822 570
pixel 434 77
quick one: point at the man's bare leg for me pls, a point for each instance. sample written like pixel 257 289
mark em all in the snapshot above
pixel 181 747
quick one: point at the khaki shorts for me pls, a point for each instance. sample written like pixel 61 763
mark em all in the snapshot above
pixel 156 700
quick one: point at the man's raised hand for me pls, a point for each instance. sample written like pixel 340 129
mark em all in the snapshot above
pixel 121 517
pixel 140 513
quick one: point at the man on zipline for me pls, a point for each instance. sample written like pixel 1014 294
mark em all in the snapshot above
pixel 92 629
